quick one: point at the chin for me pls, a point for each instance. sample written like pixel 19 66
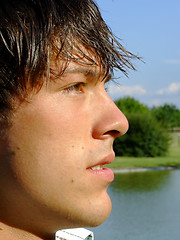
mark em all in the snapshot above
pixel 99 213
pixel 90 213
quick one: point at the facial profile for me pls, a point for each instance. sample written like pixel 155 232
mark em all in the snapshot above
pixel 65 133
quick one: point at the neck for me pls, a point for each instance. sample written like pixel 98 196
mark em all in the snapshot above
pixel 12 233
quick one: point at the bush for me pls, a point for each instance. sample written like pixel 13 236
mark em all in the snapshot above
pixel 145 137
pixel 168 115
pixel 130 105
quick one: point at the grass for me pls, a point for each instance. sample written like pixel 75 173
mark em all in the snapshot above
pixel 172 159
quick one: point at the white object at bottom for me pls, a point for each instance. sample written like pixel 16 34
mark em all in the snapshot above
pixel 74 234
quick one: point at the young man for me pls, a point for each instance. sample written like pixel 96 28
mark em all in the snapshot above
pixel 57 123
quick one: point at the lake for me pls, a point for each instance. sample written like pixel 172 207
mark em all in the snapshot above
pixel 146 206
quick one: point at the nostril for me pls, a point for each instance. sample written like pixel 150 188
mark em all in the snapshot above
pixel 113 133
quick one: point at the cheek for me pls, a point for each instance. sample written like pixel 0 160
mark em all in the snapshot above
pixel 52 148
pixel 52 126
pixel 49 145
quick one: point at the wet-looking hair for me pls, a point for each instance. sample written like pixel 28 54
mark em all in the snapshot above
pixel 32 30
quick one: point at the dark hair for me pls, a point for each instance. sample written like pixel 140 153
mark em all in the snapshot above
pixel 31 30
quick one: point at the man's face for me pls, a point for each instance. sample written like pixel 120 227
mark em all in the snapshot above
pixel 56 138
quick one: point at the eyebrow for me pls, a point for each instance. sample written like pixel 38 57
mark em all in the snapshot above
pixel 89 72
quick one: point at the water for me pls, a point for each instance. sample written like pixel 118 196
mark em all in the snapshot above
pixel 146 206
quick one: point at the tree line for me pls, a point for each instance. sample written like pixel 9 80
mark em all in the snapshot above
pixel 148 133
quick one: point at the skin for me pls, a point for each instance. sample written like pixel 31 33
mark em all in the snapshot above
pixel 55 137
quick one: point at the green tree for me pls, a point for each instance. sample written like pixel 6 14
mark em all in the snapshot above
pixel 167 115
pixel 130 105
pixel 145 137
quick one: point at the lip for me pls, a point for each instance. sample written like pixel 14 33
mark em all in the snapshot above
pixel 105 174
pixel 106 160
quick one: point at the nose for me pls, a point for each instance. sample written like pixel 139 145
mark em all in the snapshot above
pixel 109 120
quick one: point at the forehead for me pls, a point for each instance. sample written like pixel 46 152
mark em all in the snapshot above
pixel 89 72
pixel 82 60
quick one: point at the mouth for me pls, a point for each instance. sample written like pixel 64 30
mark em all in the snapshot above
pixel 99 171
pixel 106 160
pixel 98 167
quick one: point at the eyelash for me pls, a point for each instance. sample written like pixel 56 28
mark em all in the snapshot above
pixel 76 88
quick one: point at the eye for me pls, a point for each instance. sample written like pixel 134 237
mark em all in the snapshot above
pixel 75 88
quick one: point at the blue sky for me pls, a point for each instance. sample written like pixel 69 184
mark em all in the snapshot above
pixel 151 29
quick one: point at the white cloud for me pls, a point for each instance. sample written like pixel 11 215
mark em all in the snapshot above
pixel 171 89
pixel 126 90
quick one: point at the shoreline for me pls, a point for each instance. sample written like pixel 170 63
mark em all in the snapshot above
pixel 143 169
